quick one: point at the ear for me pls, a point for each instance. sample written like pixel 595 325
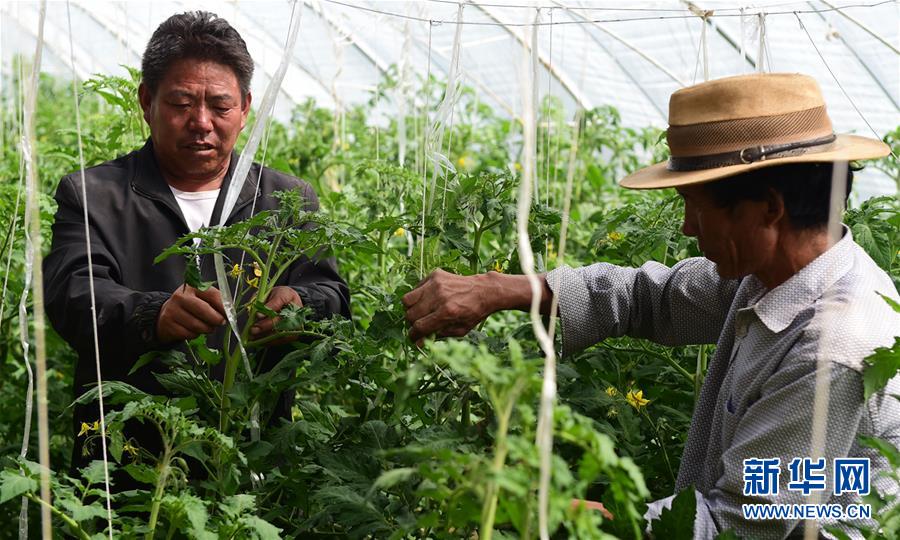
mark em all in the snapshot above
pixel 775 211
pixel 145 99
pixel 245 109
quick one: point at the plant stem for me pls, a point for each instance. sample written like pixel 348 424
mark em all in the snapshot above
pixel 73 525
pixel 489 508
pixel 157 494
pixel 381 250
pixel 700 372
pixel 687 375
pixel 272 337
pixel 476 248
pixel 231 365
pixel 662 445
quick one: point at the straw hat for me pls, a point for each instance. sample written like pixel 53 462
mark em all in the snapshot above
pixel 733 125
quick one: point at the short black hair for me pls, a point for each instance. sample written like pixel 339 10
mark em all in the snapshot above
pixel 804 187
pixel 198 35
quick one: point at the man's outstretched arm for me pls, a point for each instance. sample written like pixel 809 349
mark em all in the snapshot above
pixel 449 305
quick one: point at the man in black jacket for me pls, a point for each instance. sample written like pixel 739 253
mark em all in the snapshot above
pixel 195 96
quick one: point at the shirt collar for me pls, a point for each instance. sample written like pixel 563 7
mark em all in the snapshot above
pixel 778 308
pixel 149 179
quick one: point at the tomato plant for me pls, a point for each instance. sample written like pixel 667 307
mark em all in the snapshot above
pixel 384 440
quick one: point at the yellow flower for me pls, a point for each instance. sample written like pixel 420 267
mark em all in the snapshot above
pixel 612 413
pixel 636 399
pixel 257 271
pixel 498 267
pixel 611 391
pixel 253 282
pixel 518 166
pixel 96 425
pixel 85 428
pixel 236 270
pixel 614 236
pixel 130 449
pixel 461 161
pixel 400 231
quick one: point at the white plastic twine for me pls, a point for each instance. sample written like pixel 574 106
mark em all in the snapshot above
pixel 743 53
pixel 87 241
pixel 761 55
pixel 402 93
pixel 23 314
pixel 443 116
pixel 823 364
pixel 33 259
pixel 567 206
pixel 544 437
pixel 838 82
pixel 239 177
pixel 425 157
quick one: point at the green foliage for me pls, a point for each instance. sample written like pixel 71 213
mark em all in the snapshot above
pixel 385 440
pixel 677 522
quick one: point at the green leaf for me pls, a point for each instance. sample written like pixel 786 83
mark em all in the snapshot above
pixel 143 360
pixel 891 302
pixel 118 391
pixel 13 484
pixel 93 473
pixel 885 448
pixel 192 274
pixel 260 529
pixel 81 512
pixel 208 356
pixel 677 522
pixel 389 479
pixel 881 366
pixel 142 473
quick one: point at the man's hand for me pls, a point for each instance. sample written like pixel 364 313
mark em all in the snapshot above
pixel 279 298
pixel 447 305
pixel 188 313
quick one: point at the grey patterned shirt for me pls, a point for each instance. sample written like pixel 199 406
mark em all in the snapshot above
pixel 757 398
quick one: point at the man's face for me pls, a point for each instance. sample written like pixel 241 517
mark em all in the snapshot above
pixel 195 117
pixel 740 240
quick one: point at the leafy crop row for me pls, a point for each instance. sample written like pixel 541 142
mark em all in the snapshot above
pixel 386 440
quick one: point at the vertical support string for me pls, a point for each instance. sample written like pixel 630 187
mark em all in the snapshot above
pixel 567 206
pixel 239 176
pixel 544 435
pixel 22 308
pixel 444 114
pixel 424 172
pixel 743 50
pixel 547 139
pixel 33 259
pixel 761 54
pixel 838 82
pixel 823 363
pixel 87 241
pixel 704 40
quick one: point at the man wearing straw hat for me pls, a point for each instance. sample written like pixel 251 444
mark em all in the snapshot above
pixel 785 298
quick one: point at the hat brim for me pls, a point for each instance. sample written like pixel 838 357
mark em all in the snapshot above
pixel 844 148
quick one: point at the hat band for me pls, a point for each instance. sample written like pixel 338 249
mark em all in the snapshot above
pixel 748 155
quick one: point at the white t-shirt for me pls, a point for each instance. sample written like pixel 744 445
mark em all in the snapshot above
pixel 197 206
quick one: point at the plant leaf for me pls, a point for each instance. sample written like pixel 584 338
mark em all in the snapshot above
pixel 13 484
pixel 880 367
pixel 677 522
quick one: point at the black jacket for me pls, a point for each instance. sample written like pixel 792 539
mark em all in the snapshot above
pixel 134 217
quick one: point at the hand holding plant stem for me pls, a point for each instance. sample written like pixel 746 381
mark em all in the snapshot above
pixel 190 312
